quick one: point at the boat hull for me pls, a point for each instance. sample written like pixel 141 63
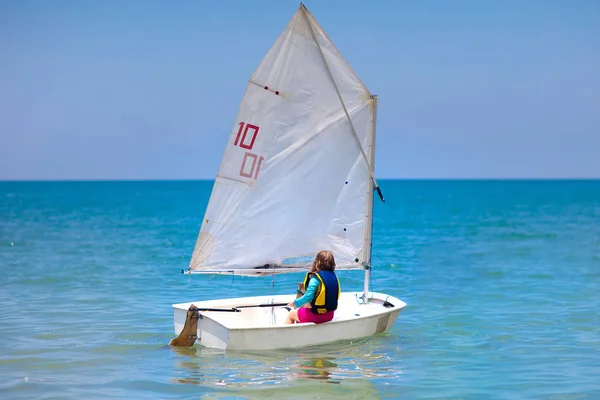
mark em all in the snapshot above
pixel 264 328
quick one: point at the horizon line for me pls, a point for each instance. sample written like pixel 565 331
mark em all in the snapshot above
pixel 213 179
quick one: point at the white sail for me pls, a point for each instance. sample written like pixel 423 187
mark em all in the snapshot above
pixel 293 179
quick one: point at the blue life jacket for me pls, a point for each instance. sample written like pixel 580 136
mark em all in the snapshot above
pixel 327 294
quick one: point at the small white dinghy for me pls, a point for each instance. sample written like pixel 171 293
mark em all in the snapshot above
pixel 297 177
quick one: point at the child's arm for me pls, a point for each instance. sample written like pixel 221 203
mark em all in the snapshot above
pixel 313 284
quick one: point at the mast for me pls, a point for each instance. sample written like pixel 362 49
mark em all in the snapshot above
pixel 372 185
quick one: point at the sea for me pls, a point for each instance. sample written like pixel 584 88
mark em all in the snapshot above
pixel 501 280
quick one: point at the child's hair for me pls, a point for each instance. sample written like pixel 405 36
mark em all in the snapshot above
pixel 324 261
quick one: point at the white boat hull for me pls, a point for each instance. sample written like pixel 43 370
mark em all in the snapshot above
pixel 264 328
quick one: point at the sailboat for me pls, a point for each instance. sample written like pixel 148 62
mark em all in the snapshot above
pixel 297 177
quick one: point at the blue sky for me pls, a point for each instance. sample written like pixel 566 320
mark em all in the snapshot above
pixel 150 89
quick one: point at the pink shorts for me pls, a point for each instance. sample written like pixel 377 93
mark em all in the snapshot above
pixel 305 315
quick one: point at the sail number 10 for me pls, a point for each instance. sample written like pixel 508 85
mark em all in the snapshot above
pixel 245 139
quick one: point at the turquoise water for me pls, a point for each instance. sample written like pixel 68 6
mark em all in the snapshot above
pixel 502 281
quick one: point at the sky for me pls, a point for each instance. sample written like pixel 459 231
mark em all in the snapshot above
pixel 145 89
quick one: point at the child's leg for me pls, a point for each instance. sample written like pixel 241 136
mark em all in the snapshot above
pixel 292 317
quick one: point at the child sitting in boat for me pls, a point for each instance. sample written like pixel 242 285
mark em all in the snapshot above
pixel 322 292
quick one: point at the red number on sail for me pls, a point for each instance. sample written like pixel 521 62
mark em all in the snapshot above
pixel 243 170
pixel 260 160
pixel 246 141
pixel 248 171
pixel 237 138
pixel 243 142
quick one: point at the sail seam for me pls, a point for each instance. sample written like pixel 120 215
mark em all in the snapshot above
pixel 324 110
pixel 296 146
pixel 233 179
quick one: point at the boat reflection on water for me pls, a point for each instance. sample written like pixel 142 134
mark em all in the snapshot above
pixel 349 366
pixel 318 368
